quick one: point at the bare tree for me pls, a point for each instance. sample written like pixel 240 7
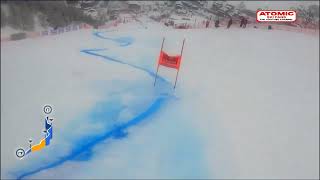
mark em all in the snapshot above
pixel 309 15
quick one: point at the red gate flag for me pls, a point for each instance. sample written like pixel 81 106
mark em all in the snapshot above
pixel 169 61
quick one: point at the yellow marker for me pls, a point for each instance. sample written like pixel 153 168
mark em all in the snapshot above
pixel 39 146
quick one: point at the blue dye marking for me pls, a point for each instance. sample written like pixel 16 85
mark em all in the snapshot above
pixel 122 41
pixel 120 134
pixel 83 151
pixel 92 52
pixel 83 156
pixel 87 146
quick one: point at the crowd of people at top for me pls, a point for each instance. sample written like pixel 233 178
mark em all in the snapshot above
pixel 243 22
pixel 206 23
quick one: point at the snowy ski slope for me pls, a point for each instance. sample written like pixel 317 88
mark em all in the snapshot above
pixel 246 104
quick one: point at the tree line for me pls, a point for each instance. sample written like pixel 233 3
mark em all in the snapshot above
pixel 23 14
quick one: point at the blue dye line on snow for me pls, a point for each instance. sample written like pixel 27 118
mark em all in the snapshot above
pixel 118 131
pixel 107 135
pixel 93 52
pixel 122 41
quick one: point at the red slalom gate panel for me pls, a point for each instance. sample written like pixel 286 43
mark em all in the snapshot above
pixel 169 61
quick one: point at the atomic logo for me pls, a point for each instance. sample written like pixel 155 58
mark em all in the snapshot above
pixel 276 16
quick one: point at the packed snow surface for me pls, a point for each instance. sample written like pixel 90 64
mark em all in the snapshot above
pixel 246 104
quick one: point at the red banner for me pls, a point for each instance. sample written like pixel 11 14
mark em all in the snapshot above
pixel 169 61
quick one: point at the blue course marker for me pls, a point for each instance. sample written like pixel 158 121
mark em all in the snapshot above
pixel 118 131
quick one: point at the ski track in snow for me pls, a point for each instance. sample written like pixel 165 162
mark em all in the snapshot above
pixel 118 131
